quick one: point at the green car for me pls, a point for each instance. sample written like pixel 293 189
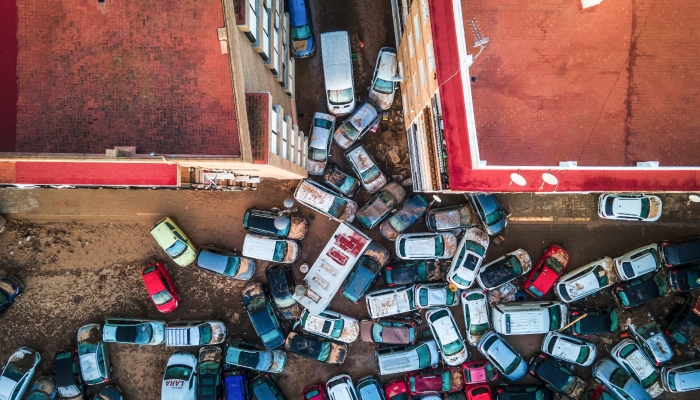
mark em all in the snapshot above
pixel 641 290
pixel 174 241
pixel 264 387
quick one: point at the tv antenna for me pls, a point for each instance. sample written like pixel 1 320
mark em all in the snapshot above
pixel 479 39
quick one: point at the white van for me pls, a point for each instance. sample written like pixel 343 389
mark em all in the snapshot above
pixel 337 72
pixel 268 249
pixel 530 317
pixel 400 359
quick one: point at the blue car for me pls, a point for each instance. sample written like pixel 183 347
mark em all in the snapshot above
pixel 235 384
pixel 260 311
pixel 365 272
pixel 302 33
pixel 406 215
pixel 489 211
pixel 10 288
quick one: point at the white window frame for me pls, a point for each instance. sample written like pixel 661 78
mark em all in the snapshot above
pixel 416 28
pixel 274 131
pixel 285 138
pixel 411 49
pixel 421 70
pixel 431 56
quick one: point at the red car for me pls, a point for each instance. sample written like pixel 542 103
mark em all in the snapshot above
pixel 160 286
pixel 478 372
pixel 479 392
pixel 546 272
pixel 439 380
pixel 314 392
pixel 397 390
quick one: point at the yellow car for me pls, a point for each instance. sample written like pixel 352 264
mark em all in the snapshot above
pixel 174 241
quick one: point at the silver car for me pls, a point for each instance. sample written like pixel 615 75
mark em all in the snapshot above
pixel 322 129
pixel 638 262
pixel 476 315
pixel 357 124
pixel 585 281
pixel 568 348
pixel 502 356
pixel 18 372
pixel 630 356
pixel 381 205
pixel 682 377
pixel 426 246
pixel 385 74
pixel 468 258
pixel 447 336
pixel 94 357
pixel 365 168
pixel 618 381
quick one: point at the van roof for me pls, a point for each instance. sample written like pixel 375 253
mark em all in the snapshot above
pixel 337 66
pixel 523 319
pixel 255 245
pixel 687 380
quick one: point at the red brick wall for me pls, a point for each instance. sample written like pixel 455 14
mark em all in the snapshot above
pixel 258 108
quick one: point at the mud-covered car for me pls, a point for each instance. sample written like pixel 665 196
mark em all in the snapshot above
pixel 438 380
pixel 93 354
pixel 331 325
pixel 684 325
pixel 426 246
pixel 259 309
pixel 225 263
pixel 547 369
pixel 629 207
pixel 174 241
pixel 268 249
pixel 446 334
pixel 357 124
pixel 504 269
pixel 209 373
pixel 390 301
pixel 478 371
pixel 381 205
pixel 410 272
pixel 109 392
pixel 489 212
pixel 251 356
pixel 180 378
pixel 640 290
pixel 682 377
pixel 653 342
pixel 638 262
pixel 43 389
pixel 468 257
pixel 388 332
pixel 617 380
pixel 629 355
pixel 364 273
pixel 595 322
pixel 194 333
pixel 69 382
pixel 405 216
pixel 569 349
pixel 315 348
pixel 303 43
pixel 279 278
pixel 382 88
pixel 322 129
pixel 431 295
pixel 133 331
pixel 583 282
pixel 160 287
pixel 547 270
pixel 449 218
pixel 476 315
pixel 262 222
pixel 341 181
pixel 502 356
pixel 325 201
pixel 18 372
pixel 10 288
pixel 365 168
pixel 684 279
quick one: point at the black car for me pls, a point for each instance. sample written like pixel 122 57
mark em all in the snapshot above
pixel 260 311
pixel 685 324
pixel 640 290
pixel 547 369
pixel 315 348
pixel 410 272
pixel 523 392
pixel 684 279
pixel 364 272
pixel 10 288
pixel 597 321
pixel 281 289
pixel 341 181
pixel 209 373
pixel 682 251
pixel 69 382
pixel 110 392
pixel 262 222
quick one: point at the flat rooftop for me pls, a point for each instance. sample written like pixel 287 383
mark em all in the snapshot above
pixel 150 74
pixel 608 86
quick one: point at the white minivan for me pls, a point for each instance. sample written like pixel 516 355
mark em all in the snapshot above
pixel 529 317
pixel 268 249
pixel 337 72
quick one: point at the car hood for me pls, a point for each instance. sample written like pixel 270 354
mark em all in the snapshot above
pixel 88 366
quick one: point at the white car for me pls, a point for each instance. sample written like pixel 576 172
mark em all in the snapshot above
pixel 269 249
pixel 133 331
pixel 630 356
pixel 629 207
pixel 94 356
pixel 18 373
pixel 180 378
pixel 476 315
pixel 638 262
pixel 331 325
pixel 341 388
pixel 617 380
pixel 583 282
pixel 468 258
pixel 682 377
pixel 385 74
pixel 390 301
pixel 365 168
pixel 502 356
pixel 322 129
pixel 568 348
pixel 431 295
pixel 446 334
pixel 426 246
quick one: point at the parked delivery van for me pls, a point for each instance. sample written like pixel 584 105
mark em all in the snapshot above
pixel 337 72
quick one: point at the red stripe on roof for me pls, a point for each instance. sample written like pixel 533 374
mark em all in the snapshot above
pixel 95 173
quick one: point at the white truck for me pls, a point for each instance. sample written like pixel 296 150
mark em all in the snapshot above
pixel 330 269
pixel 194 333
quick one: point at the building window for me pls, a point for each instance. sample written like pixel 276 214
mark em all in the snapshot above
pixel 425 10
pixel 400 68
pixel 265 21
pixel 276 39
pixel 300 143
pixel 431 57
pixel 416 27
pixel 252 33
pixel 285 138
pixel 411 49
pixel 415 85
pixel 421 70
pixel 292 143
pixel 306 149
pixel 275 132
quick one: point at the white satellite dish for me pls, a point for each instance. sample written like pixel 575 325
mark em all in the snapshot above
pixel 288 202
pixel 549 178
pixel 694 198
pixel 517 179
pixel 281 222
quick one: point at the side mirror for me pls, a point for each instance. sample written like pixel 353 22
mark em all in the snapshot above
pixel 396 78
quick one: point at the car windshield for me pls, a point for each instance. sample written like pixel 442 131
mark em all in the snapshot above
pixel 411 211
pixel 532 289
pixel 554 265
pixel 583 354
pixel 644 213
pixel 338 207
pixel 478 329
pixel 176 249
pixel 382 86
pixel 134 334
pixel 270 336
pixel 600 274
pixel 627 268
pixel 554 317
pixel 86 348
pixel 513 365
pixel 609 202
pixel 13 373
pixel 317 154
pixel 250 360
pixel 494 217
pixel 337 97
pixel 301 32
pixel 348 130
pixel 371 174
pixel 204 333
pixel 162 297
pixel 232 266
pixel 423 356
pixel 280 250
pixel 439 245
pixel 619 377
pixel 325 351
pixel 68 392
pixel 180 372
pixel 452 348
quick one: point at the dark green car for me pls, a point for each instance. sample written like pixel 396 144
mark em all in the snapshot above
pixel 641 290
pixel 264 387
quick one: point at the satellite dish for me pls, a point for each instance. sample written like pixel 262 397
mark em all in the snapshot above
pixel 436 198
pixel 517 179
pixel 549 178
pixel 694 198
pixel 300 290
pixel 288 202
pixel 281 222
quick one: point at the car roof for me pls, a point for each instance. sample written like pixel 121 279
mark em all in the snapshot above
pixel 387 63
pixel 154 284
pixel 297 12
pixel 488 202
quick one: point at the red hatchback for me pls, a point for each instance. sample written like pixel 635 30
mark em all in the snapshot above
pixel 439 380
pixel 478 372
pixel 314 392
pixel 397 390
pixel 548 269
pixel 160 286
pixel 479 392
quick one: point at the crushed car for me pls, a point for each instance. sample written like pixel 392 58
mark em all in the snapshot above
pixel 315 348
pixel 364 273
pixel 331 325
pixel 357 124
